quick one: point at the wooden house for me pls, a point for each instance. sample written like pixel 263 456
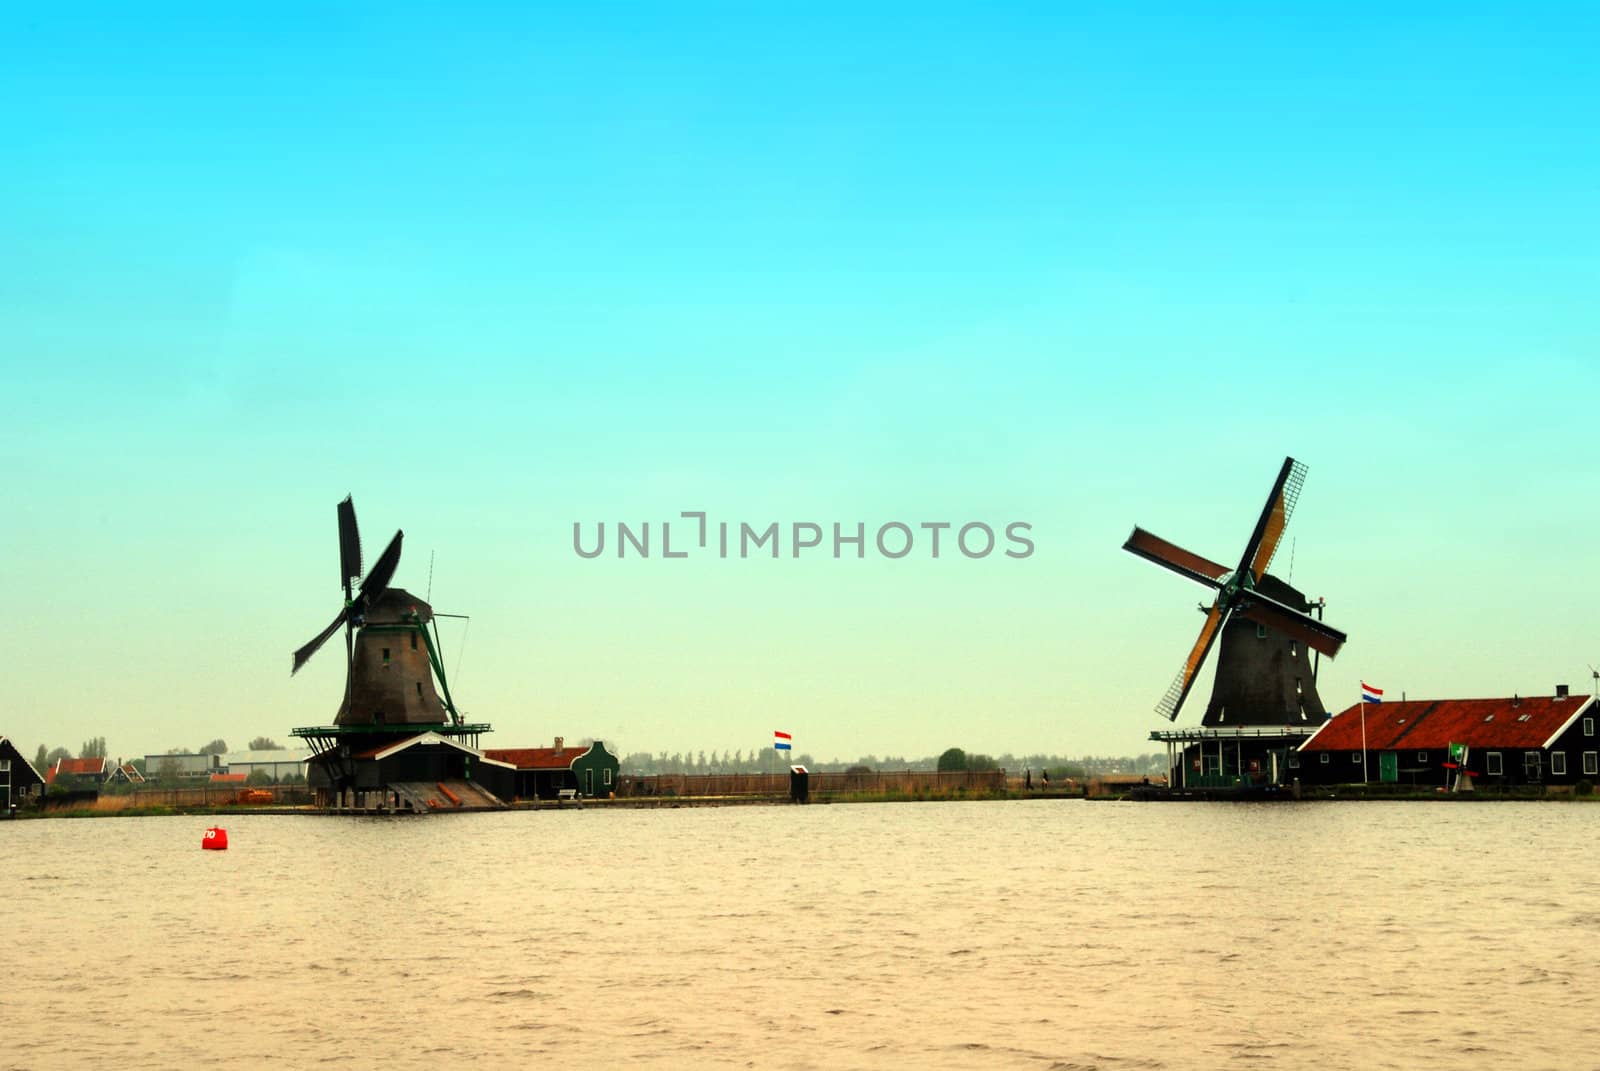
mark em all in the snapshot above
pixel 1519 741
pixel 19 781
pixel 548 773
pixel 79 774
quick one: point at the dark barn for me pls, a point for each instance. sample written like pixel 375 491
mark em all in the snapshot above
pixel 1516 742
pixel 412 766
pixel 19 781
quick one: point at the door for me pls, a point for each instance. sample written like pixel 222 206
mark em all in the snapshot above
pixel 1388 766
pixel 588 781
pixel 1531 766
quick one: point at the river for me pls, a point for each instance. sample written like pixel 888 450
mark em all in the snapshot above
pixel 1048 935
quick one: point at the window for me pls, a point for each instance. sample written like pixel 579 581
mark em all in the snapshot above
pixel 1591 763
pixel 413 641
pixel 386 656
pixel 419 689
pixel 1324 758
pixel 1488 717
pixel 1294 649
pixel 1298 690
pixel 1558 763
pixel 1355 757
pixel 1492 763
pixel 605 776
pixel 1588 726
pixel 5 765
pixel 1294 760
pixel 1422 756
pixel 1261 632
pixel 1524 717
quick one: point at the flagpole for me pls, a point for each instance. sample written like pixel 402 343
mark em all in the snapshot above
pixel 1364 777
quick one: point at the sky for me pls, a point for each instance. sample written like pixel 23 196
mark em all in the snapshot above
pixel 499 269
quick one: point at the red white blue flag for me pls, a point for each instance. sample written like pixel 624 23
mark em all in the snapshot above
pixel 781 741
pixel 1369 694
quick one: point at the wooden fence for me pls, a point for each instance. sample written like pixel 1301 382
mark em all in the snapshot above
pixel 198 796
pixel 904 782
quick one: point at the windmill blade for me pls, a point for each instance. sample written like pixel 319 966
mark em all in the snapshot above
pixel 349 544
pixel 1274 519
pixel 304 654
pixel 1291 622
pixel 1171 556
pixel 1179 689
pixel 382 571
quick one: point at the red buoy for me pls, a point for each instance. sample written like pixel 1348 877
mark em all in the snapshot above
pixel 215 839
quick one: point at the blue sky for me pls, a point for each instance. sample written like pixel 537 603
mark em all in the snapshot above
pixel 494 270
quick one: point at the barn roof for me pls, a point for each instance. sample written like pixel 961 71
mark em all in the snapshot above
pixel 228 778
pixel 383 751
pixel 1421 724
pixel 538 758
pixel 75 768
pixel 17 756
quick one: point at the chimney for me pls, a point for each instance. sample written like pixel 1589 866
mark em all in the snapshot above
pixel 559 742
pixel 1561 691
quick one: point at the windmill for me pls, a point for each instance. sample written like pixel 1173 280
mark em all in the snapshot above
pixel 391 657
pixel 1257 684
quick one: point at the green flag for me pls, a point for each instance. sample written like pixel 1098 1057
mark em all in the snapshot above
pixel 1457 751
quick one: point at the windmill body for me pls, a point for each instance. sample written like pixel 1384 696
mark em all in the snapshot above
pixel 391 676
pixel 1264 677
pixel 1264 699
pixel 397 736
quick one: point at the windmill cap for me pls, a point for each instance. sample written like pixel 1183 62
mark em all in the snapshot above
pixel 395 606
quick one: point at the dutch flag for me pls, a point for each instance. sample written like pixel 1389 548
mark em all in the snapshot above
pixel 781 741
pixel 1369 694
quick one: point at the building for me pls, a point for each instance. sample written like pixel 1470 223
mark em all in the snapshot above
pixel 544 773
pixel 79 774
pixel 405 773
pixel 280 764
pixel 228 778
pixel 181 764
pixel 19 781
pixel 1519 741
pixel 126 773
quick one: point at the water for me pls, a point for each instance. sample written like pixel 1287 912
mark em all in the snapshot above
pixel 1041 935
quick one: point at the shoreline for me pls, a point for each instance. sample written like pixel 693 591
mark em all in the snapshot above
pixel 1321 794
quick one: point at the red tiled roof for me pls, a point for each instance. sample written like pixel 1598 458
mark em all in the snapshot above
pixel 537 758
pixel 228 778
pixel 75 768
pixel 1421 724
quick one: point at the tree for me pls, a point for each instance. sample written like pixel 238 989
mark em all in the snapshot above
pixel 981 762
pixel 262 743
pixel 93 748
pixel 953 759
pixel 259 775
pixel 56 755
pixel 216 747
pixel 41 759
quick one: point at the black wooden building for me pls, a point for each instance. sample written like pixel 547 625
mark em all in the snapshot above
pixel 20 783
pixel 1546 740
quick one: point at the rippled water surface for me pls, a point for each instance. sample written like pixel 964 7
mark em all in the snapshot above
pixel 1029 935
